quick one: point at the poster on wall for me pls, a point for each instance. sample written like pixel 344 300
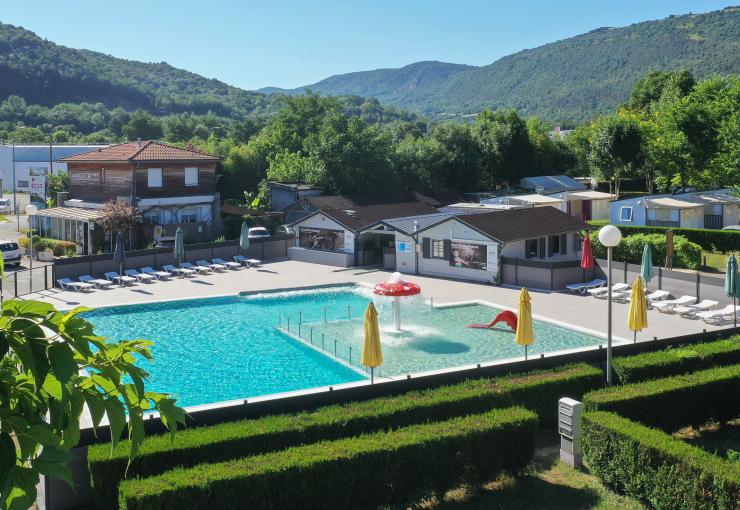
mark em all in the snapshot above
pixel 321 238
pixel 37 186
pixel 467 255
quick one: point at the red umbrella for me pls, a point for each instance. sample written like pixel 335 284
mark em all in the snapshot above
pixel 587 257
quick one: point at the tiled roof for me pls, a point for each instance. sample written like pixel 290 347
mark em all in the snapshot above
pixel 518 224
pixel 141 152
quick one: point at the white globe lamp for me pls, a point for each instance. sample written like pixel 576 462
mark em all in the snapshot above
pixel 609 236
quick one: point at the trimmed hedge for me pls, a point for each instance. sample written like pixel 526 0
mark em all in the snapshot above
pixel 686 254
pixel 538 391
pixel 709 239
pixel 655 468
pixel 360 472
pixel 679 360
pixel 673 402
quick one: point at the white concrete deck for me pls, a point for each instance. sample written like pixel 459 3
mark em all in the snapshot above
pixel 576 310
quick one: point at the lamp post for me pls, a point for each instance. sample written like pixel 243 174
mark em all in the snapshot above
pixel 31 211
pixel 609 236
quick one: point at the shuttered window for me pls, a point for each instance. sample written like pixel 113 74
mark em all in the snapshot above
pixel 438 249
pixel 154 177
pixel 191 176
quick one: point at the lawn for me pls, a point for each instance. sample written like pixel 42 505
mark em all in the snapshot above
pixel 3 218
pixel 712 261
pixel 712 437
pixel 549 485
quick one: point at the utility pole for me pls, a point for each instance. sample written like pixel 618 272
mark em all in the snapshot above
pixel 15 200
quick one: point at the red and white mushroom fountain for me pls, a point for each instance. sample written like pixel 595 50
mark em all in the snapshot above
pixel 397 288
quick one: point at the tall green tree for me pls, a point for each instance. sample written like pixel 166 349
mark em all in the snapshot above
pixel 617 149
pixel 143 125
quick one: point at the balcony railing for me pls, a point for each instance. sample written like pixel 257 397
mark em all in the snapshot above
pixel 713 221
pixel 663 223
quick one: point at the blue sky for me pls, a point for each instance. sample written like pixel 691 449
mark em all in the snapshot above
pixel 288 44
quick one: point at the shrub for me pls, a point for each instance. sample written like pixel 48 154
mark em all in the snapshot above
pixel 673 402
pixel 538 391
pixel 679 360
pixel 711 240
pixel 57 246
pixel 360 472
pixel 655 468
pixel 686 253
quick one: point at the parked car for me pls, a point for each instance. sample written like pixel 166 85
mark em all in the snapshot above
pixel 258 232
pixel 732 227
pixel 11 253
pixel 5 205
pixel 285 229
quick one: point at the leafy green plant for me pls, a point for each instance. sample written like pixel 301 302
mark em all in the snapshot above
pixel 359 472
pixel 673 402
pixel 678 360
pixel 724 241
pixel 686 255
pixel 656 468
pixel 53 365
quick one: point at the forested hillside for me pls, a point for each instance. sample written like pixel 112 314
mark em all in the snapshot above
pixel 570 80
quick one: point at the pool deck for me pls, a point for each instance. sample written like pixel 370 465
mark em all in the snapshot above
pixel 573 310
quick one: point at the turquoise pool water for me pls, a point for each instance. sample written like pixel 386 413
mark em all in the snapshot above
pixel 208 350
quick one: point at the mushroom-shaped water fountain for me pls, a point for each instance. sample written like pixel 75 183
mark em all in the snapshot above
pixel 397 288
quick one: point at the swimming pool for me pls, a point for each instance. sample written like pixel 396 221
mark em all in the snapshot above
pixel 214 349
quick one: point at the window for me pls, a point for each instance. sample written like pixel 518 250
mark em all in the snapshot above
pixel 191 176
pixel 188 216
pixel 152 218
pixel 675 215
pixel 438 249
pixel 154 177
pixel 555 244
pixel 625 213
pixel 22 184
pixel 530 249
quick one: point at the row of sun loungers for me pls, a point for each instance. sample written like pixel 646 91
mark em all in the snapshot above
pixel 150 275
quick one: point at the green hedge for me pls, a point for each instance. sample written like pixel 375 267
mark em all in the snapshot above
pixel 709 239
pixel 686 254
pixel 655 468
pixel 359 472
pixel 673 402
pixel 538 391
pixel 679 360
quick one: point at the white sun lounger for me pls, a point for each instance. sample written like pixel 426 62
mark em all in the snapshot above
pixel 717 316
pixel 654 297
pixel 668 305
pixel 603 292
pixel 178 270
pixel 690 311
pixel 583 287
pixel 230 265
pixel 67 284
pixel 145 278
pixel 198 269
pixel 98 282
pixel 214 267
pixel 247 262
pixel 123 280
pixel 159 275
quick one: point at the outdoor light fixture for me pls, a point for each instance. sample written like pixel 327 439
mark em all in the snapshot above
pixel 31 211
pixel 609 236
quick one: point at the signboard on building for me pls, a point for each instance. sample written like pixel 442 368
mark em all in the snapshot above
pixel 468 255
pixel 85 176
pixel 321 238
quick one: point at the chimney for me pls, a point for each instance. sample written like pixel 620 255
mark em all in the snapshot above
pixel 138 142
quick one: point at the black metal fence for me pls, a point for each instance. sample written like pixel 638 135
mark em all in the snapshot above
pixel 27 281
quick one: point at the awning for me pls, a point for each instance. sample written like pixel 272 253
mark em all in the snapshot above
pixel 590 195
pixel 69 213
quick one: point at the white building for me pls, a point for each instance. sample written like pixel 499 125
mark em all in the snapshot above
pixel 34 160
pixel 584 204
pixel 697 209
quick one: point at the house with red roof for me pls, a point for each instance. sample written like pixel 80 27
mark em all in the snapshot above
pixel 171 187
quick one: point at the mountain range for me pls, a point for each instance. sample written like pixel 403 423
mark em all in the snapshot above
pixel 565 81
pixel 569 80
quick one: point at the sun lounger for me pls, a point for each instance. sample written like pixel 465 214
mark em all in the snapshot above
pixel 67 284
pixel 717 316
pixel 98 282
pixel 603 292
pixel 229 265
pixel 178 270
pixel 198 269
pixel 214 267
pixel 583 287
pixel 690 311
pixel 654 297
pixel 123 280
pixel 247 262
pixel 145 278
pixel 159 275
pixel 668 305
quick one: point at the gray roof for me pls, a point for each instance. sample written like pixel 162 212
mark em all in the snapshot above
pixel 410 224
pixel 40 153
pixel 70 213
pixel 552 183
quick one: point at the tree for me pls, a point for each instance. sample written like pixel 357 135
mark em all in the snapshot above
pixel 52 366
pixel 616 149
pixel 503 141
pixel 659 86
pixel 142 125
pixel 117 217
pixel 461 163
pixel 55 183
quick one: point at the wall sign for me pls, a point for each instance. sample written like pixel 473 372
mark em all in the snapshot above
pixel 468 255
pixel 321 238
pixel 85 176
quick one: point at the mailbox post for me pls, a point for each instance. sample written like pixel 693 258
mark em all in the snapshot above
pixel 569 428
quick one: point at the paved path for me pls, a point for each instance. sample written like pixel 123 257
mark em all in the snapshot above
pixel 584 312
